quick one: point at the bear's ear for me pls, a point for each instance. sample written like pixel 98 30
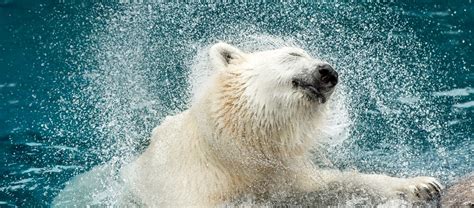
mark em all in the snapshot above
pixel 222 55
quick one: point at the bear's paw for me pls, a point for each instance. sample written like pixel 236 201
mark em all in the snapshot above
pixel 421 189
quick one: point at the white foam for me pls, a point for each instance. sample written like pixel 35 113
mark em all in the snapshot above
pixel 464 105
pixel 455 92
pixel 54 169
pixel 32 170
pixel 26 180
pixel 409 99
pixel 33 144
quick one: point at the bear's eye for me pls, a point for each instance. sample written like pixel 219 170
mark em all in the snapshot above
pixel 295 54
pixel 227 57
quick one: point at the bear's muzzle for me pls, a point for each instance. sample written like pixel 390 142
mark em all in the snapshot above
pixel 319 84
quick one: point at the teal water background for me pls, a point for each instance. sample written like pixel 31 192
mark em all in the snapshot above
pixel 84 83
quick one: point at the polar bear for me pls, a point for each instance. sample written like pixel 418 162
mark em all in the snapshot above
pixel 249 137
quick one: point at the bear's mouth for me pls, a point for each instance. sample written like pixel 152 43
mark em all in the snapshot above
pixel 311 90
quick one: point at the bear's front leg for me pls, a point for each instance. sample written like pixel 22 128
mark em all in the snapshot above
pixel 380 186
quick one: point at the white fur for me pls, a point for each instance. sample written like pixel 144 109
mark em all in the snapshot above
pixel 248 136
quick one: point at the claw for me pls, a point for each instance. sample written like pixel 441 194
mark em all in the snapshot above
pixel 427 191
pixel 438 186
pixel 437 191
pixel 417 192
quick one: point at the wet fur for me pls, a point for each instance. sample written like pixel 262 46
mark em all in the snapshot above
pixel 243 140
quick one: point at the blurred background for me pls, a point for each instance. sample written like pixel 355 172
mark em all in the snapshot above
pixel 82 84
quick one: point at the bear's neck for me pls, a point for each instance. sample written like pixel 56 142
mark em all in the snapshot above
pixel 255 137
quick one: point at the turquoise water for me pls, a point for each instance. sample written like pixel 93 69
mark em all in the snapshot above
pixel 82 84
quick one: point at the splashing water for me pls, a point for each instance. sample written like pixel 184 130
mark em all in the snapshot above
pixel 143 62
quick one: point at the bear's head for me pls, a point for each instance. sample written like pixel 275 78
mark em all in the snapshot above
pixel 269 102
pixel 276 79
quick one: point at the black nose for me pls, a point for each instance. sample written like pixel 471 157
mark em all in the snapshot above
pixel 327 75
